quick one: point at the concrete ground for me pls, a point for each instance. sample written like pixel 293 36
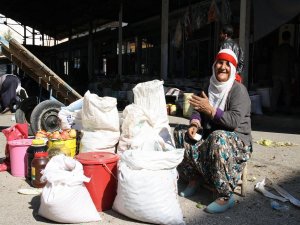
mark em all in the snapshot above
pixel 281 164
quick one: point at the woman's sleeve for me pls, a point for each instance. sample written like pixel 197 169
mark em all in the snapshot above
pixel 195 118
pixel 238 106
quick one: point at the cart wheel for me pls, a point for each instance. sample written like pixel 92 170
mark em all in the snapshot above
pixel 45 116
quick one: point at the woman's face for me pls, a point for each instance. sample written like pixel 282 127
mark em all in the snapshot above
pixel 222 70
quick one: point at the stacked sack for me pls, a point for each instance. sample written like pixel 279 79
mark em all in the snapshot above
pixel 147 175
pixel 145 123
pixel 100 122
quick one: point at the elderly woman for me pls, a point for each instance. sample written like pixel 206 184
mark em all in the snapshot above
pixel 224 121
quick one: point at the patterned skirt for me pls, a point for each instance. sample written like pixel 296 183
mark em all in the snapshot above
pixel 219 160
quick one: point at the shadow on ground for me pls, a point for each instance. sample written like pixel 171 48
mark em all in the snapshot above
pixel 253 209
pixel 276 123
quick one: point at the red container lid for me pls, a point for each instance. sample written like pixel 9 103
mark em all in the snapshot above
pixel 40 154
pixel 97 157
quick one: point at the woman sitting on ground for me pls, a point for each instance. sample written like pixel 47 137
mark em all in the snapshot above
pixel 224 118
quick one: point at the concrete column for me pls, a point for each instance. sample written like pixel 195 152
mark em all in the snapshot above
pixel 164 39
pixel 244 36
pixel 120 40
pixel 90 52
pixel 138 51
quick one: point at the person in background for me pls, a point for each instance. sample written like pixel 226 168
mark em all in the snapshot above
pixel 227 42
pixel 8 91
pixel 223 117
pixel 283 73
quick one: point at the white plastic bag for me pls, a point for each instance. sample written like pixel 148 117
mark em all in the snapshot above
pixel 70 116
pixel 66 118
pixel 65 198
pixel 100 113
pixel 147 186
pixel 285 196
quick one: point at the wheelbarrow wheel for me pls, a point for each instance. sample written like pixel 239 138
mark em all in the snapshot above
pixel 45 116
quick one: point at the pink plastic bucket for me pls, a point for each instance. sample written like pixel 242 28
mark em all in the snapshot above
pixel 17 153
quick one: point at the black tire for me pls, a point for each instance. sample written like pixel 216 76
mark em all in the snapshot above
pixel 45 116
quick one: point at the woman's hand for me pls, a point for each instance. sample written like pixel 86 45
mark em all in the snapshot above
pixel 192 130
pixel 201 104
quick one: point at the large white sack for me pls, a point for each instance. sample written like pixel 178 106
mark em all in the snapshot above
pixel 137 127
pixel 145 194
pixel 150 95
pixel 139 132
pixel 157 160
pixel 97 141
pixel 100 113
pixel 65 198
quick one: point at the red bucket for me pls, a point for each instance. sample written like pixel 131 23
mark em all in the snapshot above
pixel 101 167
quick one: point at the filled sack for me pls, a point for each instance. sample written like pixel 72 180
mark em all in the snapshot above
pixel 99 141
pixel 65 199
pixel 99 113
pixel 147 186
pixel 150 95
pixel 145 122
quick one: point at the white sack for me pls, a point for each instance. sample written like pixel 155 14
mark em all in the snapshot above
pixel 139 132
pixel 101 140
pixel 100 113
pixel 153 160
pixel 150 95
pixel 65 198
pixel 136 128
pixel 149 195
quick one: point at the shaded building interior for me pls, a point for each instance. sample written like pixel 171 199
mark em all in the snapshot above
pixel 90 58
